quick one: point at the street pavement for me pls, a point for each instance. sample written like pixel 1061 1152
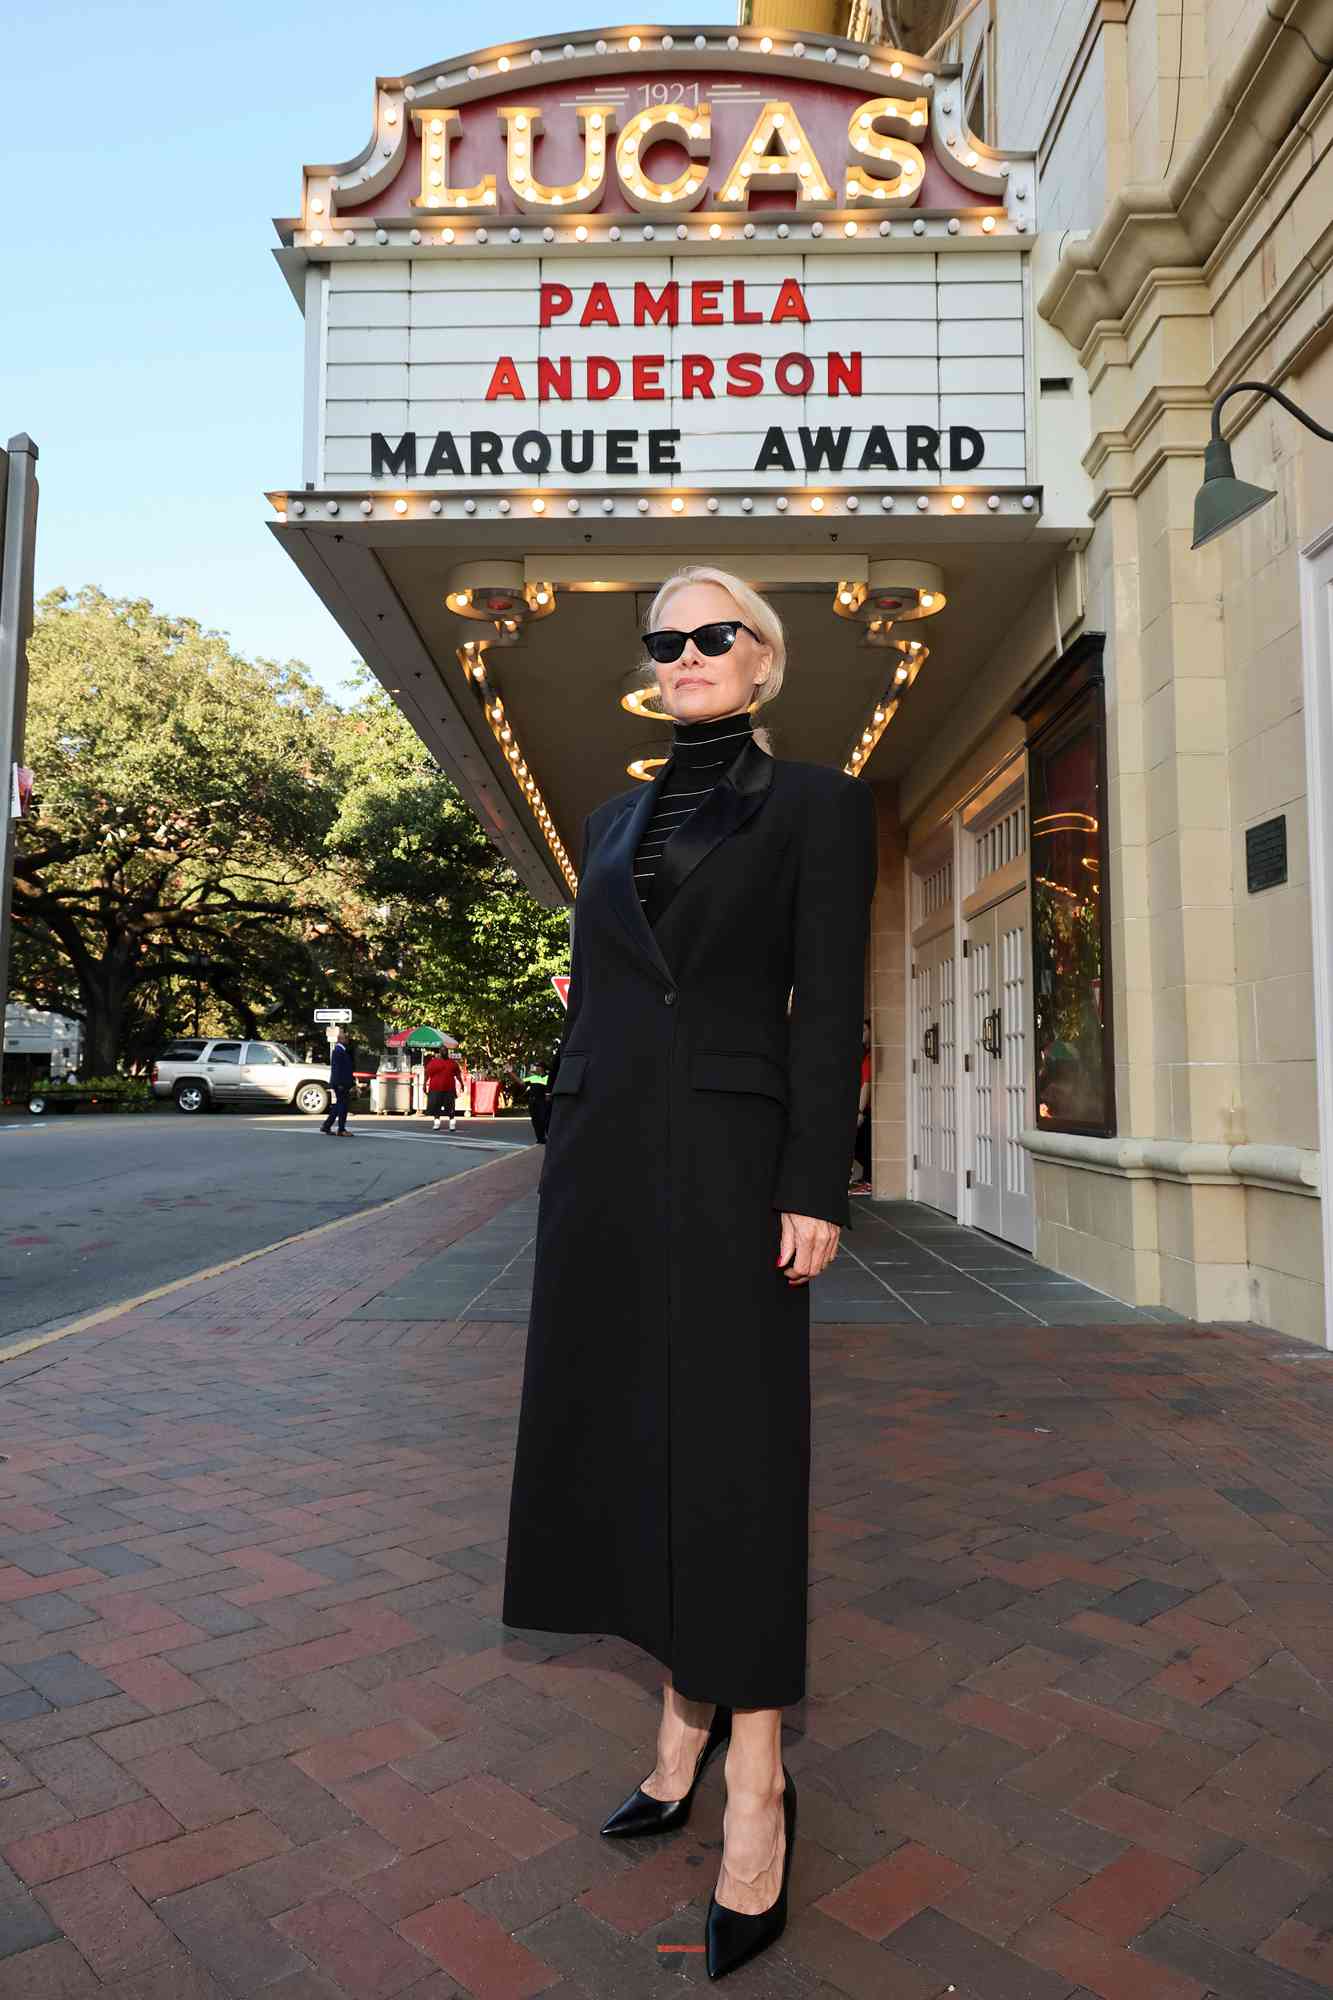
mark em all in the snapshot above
pixel 1068 1732
pixel 94 1210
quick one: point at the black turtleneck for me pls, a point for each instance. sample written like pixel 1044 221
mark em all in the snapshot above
pixel 701 755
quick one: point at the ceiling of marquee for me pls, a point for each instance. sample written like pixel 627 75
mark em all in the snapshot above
pixel 562 684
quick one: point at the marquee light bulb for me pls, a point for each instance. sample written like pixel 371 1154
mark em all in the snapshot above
pixel 715 230
pixel 849 228
pixel 677 504
pixel 766 44
pixel 988 224
pixel 635 43
pixel 437 125
pixel 400 506
pixel 957 503
pixel 581 233
pixel 817 504
pixel 927 600
pixel 317 207
pixel 539 505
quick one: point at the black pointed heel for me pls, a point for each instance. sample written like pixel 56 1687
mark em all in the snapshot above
pixel 642 1813
pixel 732 1937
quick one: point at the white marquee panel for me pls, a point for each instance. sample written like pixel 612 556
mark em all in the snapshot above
pixel 412 345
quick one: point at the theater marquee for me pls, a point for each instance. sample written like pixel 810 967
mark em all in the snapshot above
pixel 667 260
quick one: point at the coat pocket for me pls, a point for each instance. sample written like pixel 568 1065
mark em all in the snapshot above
pixel 569 1076
pixel 723 1070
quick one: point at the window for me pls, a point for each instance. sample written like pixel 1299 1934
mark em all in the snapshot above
pixel 937 889
pixel 183 1052
pixel 262 1052
pixel 1071 980
pixel 226 1052
pixel 1002 842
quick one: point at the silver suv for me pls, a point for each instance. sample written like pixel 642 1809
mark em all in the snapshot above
pixel 201 1075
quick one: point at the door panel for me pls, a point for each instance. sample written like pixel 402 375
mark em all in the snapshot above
pixel 265 1077
pixel 224 1071
pixel 1015 1110
pixel 986 1206
pixel 935 1076
pixel 1000 1040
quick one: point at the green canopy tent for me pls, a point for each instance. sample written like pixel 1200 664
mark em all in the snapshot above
pixel 421 1038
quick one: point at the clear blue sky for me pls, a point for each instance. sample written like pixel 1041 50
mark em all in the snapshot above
pixel 147 340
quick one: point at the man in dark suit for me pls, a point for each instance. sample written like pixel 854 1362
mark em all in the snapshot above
pixel 340 1083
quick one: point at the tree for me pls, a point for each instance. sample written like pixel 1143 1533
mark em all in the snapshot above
pixel 216 847
pixel 182 805
pixel 472 950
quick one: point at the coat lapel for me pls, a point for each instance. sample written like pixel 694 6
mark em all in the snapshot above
pixel 731 802
pixel 622 844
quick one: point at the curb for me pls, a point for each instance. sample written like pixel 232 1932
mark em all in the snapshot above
pixel 103 1313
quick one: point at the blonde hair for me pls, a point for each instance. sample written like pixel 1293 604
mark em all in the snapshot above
pixel 755 610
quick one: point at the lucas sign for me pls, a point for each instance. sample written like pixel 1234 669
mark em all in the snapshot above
pixel 597 272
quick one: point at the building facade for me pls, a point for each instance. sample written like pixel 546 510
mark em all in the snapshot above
pixel 924 341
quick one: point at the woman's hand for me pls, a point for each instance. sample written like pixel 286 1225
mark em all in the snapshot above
pixel 807 1246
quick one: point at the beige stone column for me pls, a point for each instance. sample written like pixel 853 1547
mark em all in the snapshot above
pixel 1169 805
pixel 888 1003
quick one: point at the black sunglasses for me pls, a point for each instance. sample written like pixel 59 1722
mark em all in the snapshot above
pixel 710 640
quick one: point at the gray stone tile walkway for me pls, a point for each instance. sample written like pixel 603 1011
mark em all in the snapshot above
pixel 900 1264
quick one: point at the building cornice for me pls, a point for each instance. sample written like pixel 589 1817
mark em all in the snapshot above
pixel 1289 1169
pixel 1181 221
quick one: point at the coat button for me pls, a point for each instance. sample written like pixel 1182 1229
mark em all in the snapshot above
pixel 670 996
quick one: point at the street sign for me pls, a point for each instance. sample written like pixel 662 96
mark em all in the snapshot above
pixel 328 1017
pixel 560 981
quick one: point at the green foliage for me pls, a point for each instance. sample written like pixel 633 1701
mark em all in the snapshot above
pixel 473 952
pixel 107 1093
pixel 216 847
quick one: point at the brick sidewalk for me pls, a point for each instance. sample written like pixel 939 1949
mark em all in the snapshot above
pixel 1070 1728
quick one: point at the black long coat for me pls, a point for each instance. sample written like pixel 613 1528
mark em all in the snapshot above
pixel 661 1482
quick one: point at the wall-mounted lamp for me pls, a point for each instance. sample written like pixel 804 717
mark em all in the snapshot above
pixel 1223 500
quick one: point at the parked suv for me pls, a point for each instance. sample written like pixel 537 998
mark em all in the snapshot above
pixel 203 1074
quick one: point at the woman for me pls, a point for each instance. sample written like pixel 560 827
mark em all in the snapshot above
pixel 695 1180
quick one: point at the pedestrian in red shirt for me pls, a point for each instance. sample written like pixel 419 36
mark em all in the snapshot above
pixel 443 1076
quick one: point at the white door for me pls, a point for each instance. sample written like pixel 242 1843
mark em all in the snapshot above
pixel 998 1051
pixel 979 1054
pixel 934 1075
